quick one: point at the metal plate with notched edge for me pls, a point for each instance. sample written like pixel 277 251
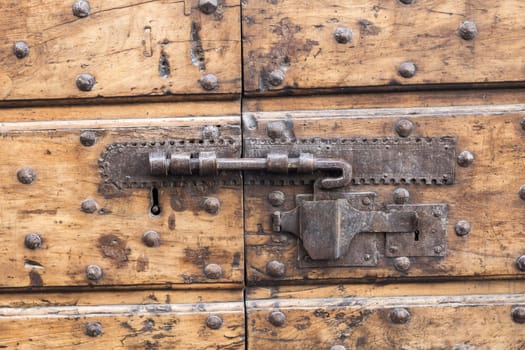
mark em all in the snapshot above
pixel 381 160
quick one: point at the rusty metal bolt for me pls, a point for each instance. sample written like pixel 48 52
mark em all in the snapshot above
pixel 213 271
pixel 404 127
pixel 81 8
pixel 522 123
pixel 93 329
pixel 401 195
pixel 85 82
pixel 26 175
pixel 214 322
pixel 88 138
pixel 518 314
pixel 209 82
pixel 343 35
pixel 438 249
pixel 522 192
pixel 89 206
pixel 465 159
pixel 276 198
pixel 468 30
pixel 211 205
pixel 407 69
pixel 208 6
pixel 399 315
pixel 275 269
pixel 20 49
pixel 94 272
pixel 151 238
pixel 520 263
pixel 407 2
pixel 402 264
pixel 33 241
pixel 338 347
pixel 276 77
pixel 462 228
pixel 210 132
pixel 276 129
pixel 277 318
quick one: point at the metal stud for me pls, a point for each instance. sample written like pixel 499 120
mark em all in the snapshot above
pixel 208 6
pixel 276 77
pixel 275 269
pixel 401 195
pixel 81 8
pixel 462 228
pixel 211 205
pixel 407 2
pixel 209 82
pixel 33 241
pixel 88 138
pixel 213 271
pixel 85 82
pixel 407 69
pixel 520 263
pixel 210 132
pixel 402 264
pixel 522 123
pixel 465 159
pixel 343 35
pixel 276 129
pixel 276 198
pixel 399 315
pixel 468 30
pixel 522 192
pixel 26 175
pixel 151 238
pixel 214 322
pixel 94 272
pixel 277 318
pixel 404 127
pixel 89 206
pixel 20 49
pixel 518 314
pixel 93 329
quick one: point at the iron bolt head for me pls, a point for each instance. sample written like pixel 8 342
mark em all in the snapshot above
pixel 366 201
pixel 26 175
pixel 338 347
pixel 81 8
pixel 468 30
pixel 85 82
pixel 404 127
pixel 20 49
pixel 407 2
pixel 94 272
pixel 151 238
pixel 343 35
pixel 208 6
pixel 402 264
pixel 518 314
pixel 462 228
pixel 438 249
pixel 211 205
pixel 214 322
pixel 522 123
pixel 276 198
pixel 33 241
pixel 89 206
pixel 399 315
pixel 401 195
pixel 275 130
pixel 522 192
pixel 276 77
pixel 407 69
pixel 465 159
pixel 275 269
pixel 367 257
pixel 520 263
pixel 209 82
pixel 93 329
pixel 277 318
pixel 213 271
pixel 210 132
pixel 88 138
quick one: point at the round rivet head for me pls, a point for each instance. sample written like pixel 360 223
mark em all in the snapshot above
pixel 522 123
pixel 214 322
pixel 209 82
pixel 399 315
pixel 518 314
pixel 277 318
pixel 208 6
pixel 33 241
pixel 401 195
pixel 26 175
pixel 211 205
pixel 93 329
pixel 462 228
pixel 343 35
pixel 94 272
pixel 402 264
pixel 20 49
pixel 276 198
pixel 276 77
pixel 81 8
pixel 151 238
pixel 520 263
pixel 407 2
pixel 89 206
pixel 404 127
pixel 468 30
pixel 213 271
pixel 521 192
pixel 88 138
pixel 407 69
pixel 465 159
pixel 275 269
pixel 338 347
pixel 85 82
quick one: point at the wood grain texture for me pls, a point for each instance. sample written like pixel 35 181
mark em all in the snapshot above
pixel 485 194
pixel 67 173
pixel 134 320
pixel 298 39
pixel 342 316
pixel 122 44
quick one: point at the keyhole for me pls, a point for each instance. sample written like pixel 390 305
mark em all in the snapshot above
pixel 155 206
pixel 416 235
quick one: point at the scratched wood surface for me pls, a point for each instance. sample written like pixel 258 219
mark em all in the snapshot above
pixel 298 39
pixel 125 44
pixel 442 316
pixel 67 173
pixel 484 194
pixel 128 320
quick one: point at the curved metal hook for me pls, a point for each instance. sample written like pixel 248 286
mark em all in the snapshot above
pixel 334 164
